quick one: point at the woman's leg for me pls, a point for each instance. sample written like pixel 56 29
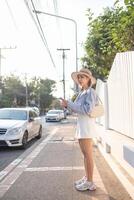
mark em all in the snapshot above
pixel 87 149
pixel 82 150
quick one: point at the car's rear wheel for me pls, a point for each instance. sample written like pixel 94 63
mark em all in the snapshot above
pixel 24 140
pixel 39 133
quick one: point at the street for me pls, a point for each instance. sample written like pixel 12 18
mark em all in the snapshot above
pixel 47 169
pixel 8 155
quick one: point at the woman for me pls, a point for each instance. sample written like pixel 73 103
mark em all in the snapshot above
pixel 83 105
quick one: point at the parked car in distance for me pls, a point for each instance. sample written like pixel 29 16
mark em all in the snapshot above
pixel 54 115
pixel 18 126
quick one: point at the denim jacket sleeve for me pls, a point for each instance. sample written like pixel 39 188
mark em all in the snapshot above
pixel 85 104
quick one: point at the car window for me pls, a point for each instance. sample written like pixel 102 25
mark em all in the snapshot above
pixel 13 114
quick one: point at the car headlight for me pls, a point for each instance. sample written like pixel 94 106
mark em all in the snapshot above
pixel 14 131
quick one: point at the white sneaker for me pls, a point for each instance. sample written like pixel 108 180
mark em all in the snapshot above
pixel 86 186
pixel 82 180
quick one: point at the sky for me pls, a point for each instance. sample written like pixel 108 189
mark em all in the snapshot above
pixel 24 53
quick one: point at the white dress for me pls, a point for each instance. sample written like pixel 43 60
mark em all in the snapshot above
pixel 85 126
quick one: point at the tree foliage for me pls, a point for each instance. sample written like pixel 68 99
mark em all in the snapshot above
pixel 39 92
pixel 13 92
pixel 109 33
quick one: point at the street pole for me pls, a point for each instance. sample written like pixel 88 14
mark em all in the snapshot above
pixel 26 95
pixel 66 18
pixel 26 90
pixel 63 57
pixel 3 48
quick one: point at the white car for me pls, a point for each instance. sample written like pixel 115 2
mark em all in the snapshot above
pixel 54 115
pixel 18 126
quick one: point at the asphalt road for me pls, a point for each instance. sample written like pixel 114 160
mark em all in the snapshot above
pixel 9 154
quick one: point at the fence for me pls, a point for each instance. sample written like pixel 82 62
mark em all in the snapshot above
pixel 118 95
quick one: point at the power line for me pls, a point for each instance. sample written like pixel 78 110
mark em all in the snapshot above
pixel 66 18
pixel 11 14
pixel 25 1
pixel 43 38
pixel 40 30
pixel 36 22
pixel 43 34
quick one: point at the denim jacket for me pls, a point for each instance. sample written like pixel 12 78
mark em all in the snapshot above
pixel 84 103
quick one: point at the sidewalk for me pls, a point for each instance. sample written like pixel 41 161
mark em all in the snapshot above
pixel 49 171
pixel 111 145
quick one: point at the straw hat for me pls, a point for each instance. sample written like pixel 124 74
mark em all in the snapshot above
pixel 83 71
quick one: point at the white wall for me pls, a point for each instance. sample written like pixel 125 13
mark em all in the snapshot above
pixel 121 94
pixel 118 99
pixel 101 93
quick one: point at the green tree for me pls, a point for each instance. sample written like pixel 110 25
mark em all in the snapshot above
pixel 34 90
pixel 47 86
pixel 109 33
pixel 55 104
pixel 39 92
pixel 13 92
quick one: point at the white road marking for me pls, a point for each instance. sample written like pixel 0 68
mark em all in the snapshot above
pixel 59 142
pixel 43 169
pixel 9 168
pixel 15 173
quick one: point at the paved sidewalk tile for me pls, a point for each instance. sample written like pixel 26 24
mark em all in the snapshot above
pixel 51 171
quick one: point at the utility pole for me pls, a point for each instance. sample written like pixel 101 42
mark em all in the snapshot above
pixel 26 90
pixel 3 48
pixel 26 95
pixel 63 57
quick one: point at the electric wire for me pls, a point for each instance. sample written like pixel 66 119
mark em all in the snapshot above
pixel 31 14
pixel 29 10
pixel 11 14
pixel 57 24
pixel 43 34
pixel 40 30
pixel 44 41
